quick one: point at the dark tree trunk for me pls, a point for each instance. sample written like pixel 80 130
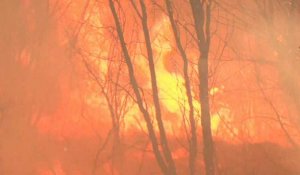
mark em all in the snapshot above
pixel 201 15
pixel 152 136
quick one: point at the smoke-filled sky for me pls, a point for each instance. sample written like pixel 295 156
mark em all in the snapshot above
pixel 69 106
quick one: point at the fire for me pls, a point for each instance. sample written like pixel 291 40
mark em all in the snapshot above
pixel 65 89
pixel 170 83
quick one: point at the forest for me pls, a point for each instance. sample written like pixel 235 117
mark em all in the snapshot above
pixel 149 87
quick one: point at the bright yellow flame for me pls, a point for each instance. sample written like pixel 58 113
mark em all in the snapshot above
pixel 171 86
pixel 215 121
pixel 214 90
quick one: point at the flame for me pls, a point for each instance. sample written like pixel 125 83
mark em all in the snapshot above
pixel 55 119
pixel 98 41
pixel 171 87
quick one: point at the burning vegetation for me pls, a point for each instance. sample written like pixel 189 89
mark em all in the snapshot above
pixel 171 87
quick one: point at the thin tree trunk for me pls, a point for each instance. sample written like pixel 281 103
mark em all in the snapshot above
pixel 163 137
pixel 139 99
pixel 193 138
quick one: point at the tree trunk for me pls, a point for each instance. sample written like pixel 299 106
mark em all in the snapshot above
pixel 201 17
pixel 193 137
pixel 133 82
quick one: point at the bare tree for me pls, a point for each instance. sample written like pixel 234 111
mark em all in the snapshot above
pixel 201 14
pixel 193 130
pixel 153 138
pixel 202 18
pixel 162 132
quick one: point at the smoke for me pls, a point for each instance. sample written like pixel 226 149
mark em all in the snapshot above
pixel 61 67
